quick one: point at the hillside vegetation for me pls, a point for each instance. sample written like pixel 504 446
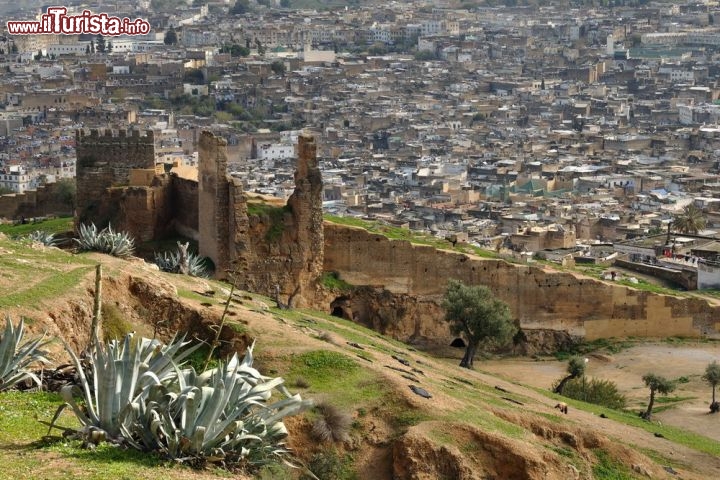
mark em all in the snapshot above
pixel 369 423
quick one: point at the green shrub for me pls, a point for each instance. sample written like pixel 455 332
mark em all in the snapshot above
pixel 595 390
pixel 330 465
pixel 114 324
pixel 332 281
pixel 273 216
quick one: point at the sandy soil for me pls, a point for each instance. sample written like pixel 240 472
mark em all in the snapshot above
pixel 626 369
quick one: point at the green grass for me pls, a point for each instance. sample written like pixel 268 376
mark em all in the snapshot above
pixel 191 295
pixel 397 233
pixel 650 287
pixel 54 225
pixel 608 469
pixel 26 454
pixel 273 214
pixel 338 377
pixel 53 286
pixel 332 281
pixel 673 434
pixel 609 345
pixel 666 400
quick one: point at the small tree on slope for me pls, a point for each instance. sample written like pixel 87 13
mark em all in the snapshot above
pixel 575 369
pixel 712 377
pixel 475 313
pixel 656 384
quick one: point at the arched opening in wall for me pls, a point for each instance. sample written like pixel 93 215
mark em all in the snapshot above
pixel 458 343
pixel 340 307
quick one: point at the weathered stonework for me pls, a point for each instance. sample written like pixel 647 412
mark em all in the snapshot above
pixel 411 280
pixel 281 247
pixel 104 161
pixel 264 246
pixel 213 201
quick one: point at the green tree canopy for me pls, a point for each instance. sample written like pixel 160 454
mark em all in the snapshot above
pixel 170 37
pixel 691 220
pixel 100 44
pixel 656 384
pixel 575 369
pixel 240 7
pixel 278 67
pixel 65 192
pixel 476 314
pixel 712 377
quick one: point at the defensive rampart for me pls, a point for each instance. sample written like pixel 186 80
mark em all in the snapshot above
pixel 414 277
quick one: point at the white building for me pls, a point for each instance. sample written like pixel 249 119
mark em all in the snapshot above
pixel 15 178
pixel 275 151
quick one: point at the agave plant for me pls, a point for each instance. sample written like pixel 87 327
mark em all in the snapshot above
pixel 40 236
pixel 16 356
pixel 116 375
pixel 170 262
pixel 220 415
pixel 119 244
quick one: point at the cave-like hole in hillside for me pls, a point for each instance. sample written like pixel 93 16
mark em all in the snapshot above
pixel 458 343
pixel 340 307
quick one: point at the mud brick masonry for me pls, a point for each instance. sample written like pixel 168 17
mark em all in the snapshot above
pixel 262 245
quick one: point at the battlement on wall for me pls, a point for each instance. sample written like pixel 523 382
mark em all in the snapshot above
pixel 83 136
pixel 105 159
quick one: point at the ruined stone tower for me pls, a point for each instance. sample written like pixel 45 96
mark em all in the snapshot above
pixel 213 201
pixel 306 206
pixel 105 161
pixel 257 242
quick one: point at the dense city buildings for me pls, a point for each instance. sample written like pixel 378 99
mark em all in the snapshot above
pixel 565 131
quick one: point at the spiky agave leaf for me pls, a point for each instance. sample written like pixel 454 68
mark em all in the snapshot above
pixel 120 375
pixel 170 262
pixel 16 356
pixel 40 236
pixel 220 415
pixel 119 244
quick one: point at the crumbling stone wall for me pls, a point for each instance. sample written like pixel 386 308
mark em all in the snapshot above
pixel 33 203
pixel 105 161
pixel 280 247
pixel 184 206
pixel 213 201
pixel 416 277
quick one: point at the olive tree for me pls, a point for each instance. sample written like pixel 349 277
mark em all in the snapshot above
pixel 656 384
pixel 712 377
pixel 575 369
pixel 476 314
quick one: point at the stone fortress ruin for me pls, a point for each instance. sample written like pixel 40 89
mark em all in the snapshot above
pixel 265 245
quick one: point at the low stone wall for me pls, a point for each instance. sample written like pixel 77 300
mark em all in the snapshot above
pixel 33 203
pixel 685 279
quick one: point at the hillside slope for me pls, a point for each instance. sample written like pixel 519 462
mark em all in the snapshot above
pixel 475 425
